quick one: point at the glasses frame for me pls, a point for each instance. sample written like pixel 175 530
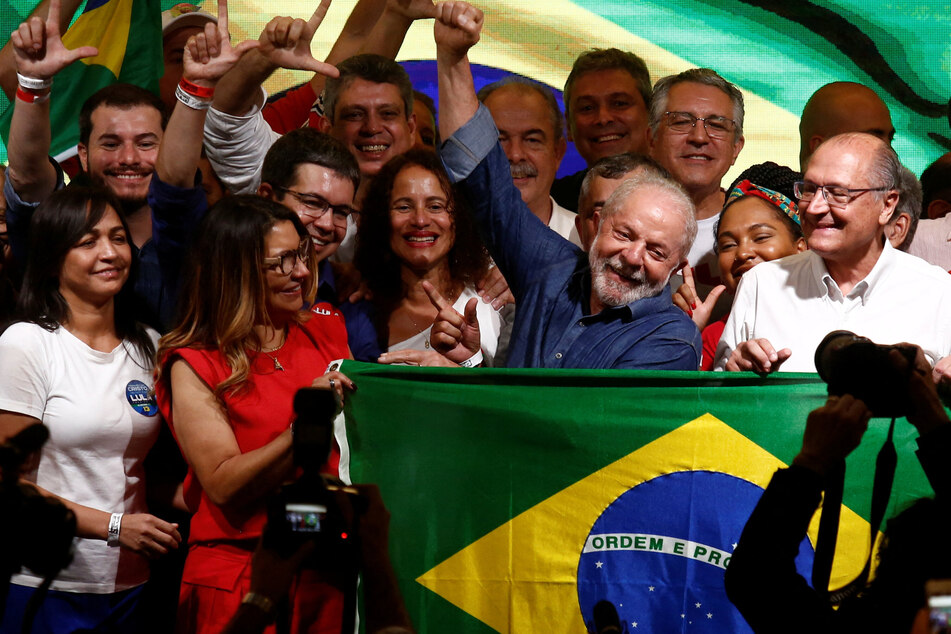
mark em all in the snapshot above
pixel 341 213
pixel 853 193
pixel 693 125
pixel 277 263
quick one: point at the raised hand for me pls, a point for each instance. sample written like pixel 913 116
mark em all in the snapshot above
pixel 412 9
pixel 687 299
pixel 286 41
pixel 832 432
pixel 453 335
pixel 458 28
pixel 38 46
pixel 209 54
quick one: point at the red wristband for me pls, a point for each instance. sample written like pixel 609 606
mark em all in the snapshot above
pixel 31 97
pixel 195 90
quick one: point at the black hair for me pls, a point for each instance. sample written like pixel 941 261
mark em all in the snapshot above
pixel 57 225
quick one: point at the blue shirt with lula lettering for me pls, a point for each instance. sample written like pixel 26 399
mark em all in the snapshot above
pixel 551 278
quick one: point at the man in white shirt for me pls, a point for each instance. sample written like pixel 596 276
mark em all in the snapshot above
pixel 531 134
pixel 851 278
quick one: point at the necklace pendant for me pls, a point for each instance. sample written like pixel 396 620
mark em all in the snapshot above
pixel 277 364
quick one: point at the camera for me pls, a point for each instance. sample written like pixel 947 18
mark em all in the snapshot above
pixel 855 365
pixel 306 510
pixel 41 527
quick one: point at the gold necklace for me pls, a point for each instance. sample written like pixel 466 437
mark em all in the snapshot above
pixel 277 364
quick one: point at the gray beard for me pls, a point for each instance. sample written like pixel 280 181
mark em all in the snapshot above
pixel 614 293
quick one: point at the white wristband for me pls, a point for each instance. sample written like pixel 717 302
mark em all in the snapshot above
pixel 193 102
pixel 32 83
pixel 115 525
pixel 472 361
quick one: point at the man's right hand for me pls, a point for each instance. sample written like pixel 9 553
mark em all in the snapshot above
pixel 38 46
pixel 757 355
pixel 458 28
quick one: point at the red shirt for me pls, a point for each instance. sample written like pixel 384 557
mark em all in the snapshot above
pixel 260 412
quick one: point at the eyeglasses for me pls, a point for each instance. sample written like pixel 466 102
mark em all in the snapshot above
pixel 315 206
pixel 836 196
pixel 717 127
pixel 286 262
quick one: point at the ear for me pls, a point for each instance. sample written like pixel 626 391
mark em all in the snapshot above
pixel 265 190
pixel 571 135
pixel 888 210
pixel 83 154
pixel 680 266
pixel 324 124
pixel 801 245
pixel 815 141
pixel 411 124
pixel 898 230
pixel 578 223
pixel 938 209
pixel 560 148
pixel 737 147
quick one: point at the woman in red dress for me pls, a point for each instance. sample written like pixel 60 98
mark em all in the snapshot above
pixel 226 382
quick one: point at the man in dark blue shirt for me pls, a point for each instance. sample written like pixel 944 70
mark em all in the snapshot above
pixel 611 309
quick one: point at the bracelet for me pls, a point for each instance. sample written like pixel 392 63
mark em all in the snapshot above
pixel 259 601
pixel 202 92
pixel 27 96
pixel 473 361
pixel 191 101
pixel 32 83
pixel 115 524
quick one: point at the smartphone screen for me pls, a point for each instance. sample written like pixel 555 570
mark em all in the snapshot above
pixel 305 518
pixel 939 605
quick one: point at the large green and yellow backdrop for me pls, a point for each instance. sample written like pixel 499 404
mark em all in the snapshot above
pixel 777 52
pixel 520 499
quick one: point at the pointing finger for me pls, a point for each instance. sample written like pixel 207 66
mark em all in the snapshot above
pixel 318 16
pixel 435 296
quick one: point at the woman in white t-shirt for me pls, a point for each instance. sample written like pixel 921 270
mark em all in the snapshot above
pixel 79 363
pixel 413 229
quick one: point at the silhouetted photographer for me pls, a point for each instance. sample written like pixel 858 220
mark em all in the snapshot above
pixel 762 580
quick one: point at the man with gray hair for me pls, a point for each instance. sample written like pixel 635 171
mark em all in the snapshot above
pixel 851 277
pixel 532 136
pixel 903 224
pixel 600 182
pixel 613 310
pixel 696 132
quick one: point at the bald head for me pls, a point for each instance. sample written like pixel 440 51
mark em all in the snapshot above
pixel 838 108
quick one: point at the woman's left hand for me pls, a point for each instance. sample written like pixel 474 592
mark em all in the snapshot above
pixel 336 382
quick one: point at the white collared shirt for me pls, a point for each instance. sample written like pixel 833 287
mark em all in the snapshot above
pixel 794 302
pixel 562 222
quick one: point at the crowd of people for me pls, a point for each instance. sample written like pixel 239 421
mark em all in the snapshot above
pixel 215 251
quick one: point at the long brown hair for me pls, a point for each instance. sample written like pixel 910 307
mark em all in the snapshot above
pixel 225 295
pixel 374 257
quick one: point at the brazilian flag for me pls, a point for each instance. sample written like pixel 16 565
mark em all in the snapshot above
pixel 521 499
pixel 128 34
